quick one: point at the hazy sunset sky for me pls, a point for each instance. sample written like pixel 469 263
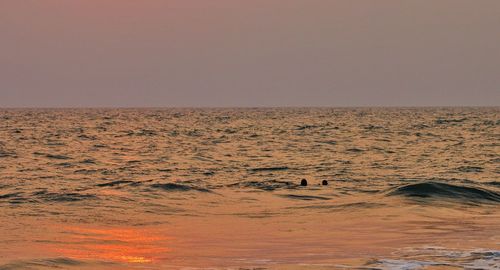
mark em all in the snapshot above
pixel 93 53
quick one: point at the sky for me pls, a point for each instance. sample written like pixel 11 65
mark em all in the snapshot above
pixel 251 53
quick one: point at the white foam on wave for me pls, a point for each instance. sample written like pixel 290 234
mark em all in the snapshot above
pixel 438 256
pixel 404 264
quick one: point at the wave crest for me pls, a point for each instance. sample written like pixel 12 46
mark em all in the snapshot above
pixel 448 191
pixel 178 187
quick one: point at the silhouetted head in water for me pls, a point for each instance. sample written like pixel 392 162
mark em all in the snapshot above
pixel 324 183
pixel 303 182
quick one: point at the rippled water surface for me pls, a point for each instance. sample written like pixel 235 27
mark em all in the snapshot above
pixel 220 188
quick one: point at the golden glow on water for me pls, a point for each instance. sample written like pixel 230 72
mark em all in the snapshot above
pixel 153 189
pixel 129 245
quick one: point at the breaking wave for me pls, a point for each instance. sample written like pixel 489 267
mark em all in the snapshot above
pixel 446 191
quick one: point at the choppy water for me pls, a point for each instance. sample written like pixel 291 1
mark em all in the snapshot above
pixel 172 188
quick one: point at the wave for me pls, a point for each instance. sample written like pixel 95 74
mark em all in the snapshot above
pixel 303 197
pixel 63 197
pixel 440 257
pixel 473 169
pixel 16 198
pixel 5 154
pixel 178 187
pixel 55 263
pixel 269 185
pixel 446 191
pixel 52 156
pixel 44 196
pixel 306 127
pixel 442 121
pixel 10 195
pixel 117 183
pixel 494 183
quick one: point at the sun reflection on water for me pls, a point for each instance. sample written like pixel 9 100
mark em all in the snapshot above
pixel 123 245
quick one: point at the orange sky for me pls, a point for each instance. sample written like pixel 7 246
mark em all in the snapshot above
pixel 249 53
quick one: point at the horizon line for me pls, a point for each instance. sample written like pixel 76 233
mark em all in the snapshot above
pixel 249 107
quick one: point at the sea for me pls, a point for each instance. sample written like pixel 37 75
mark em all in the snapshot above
pixel 220 188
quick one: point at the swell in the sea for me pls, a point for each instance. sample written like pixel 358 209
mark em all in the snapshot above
pixel 427 191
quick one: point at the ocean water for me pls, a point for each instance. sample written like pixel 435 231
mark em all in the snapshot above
pixel 409 188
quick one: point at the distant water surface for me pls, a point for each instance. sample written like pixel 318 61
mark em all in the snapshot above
pixel 409 188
